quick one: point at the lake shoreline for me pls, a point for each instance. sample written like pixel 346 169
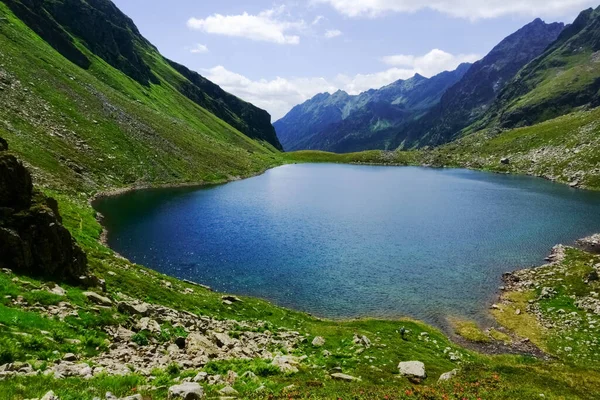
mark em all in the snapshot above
pixel 121 191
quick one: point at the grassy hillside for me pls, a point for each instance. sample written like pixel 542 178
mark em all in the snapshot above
pixel 86 130
pixel 89 130
pixel 566 76
pixel 565 149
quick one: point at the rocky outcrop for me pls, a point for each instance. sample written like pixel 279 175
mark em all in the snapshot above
pixel 591 244
pixel 33 240
pixel 413 370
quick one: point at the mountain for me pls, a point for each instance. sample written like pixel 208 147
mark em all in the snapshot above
pixel 341 122
pixel 471 97
pixel 566 76
pixel 79 29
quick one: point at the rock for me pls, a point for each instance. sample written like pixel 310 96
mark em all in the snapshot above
pixel 249 375
pixel 200 377
pixel 228 391
pixel 50 396
pixel 3 145
pixel 412 369
pixel 505 161
pixel 222 339
pixel 591 244
pixel 70 357
pixel 231 377
pixel 110 396
pixel 198 343
pixel 518 311
pixel 344 377
pixel 593 276
pixel 318 341
pixel 134 397
pixel 133 308
pixel 232 299
pixel 57 290
pixel 33 240
pixel 446 376
pixel 148 324
pixel 286 364
pixel 186 391
pixel 98 299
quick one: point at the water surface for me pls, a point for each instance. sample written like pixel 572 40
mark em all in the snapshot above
pixel 349 241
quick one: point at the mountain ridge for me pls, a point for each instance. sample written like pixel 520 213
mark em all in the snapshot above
pixel 312 124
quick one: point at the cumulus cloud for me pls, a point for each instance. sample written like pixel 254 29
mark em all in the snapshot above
pixel 268 26
pixel 332 33
pixel 471 9
pixel 279 95
pixel 198 49
pixel 431 63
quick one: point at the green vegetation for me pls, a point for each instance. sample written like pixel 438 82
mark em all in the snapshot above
pixel 83 132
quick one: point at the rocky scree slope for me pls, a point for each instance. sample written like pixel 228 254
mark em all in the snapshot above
pixel 340 122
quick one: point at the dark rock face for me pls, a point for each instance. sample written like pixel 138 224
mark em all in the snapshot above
pixel 32 238
pixel 472 96
pixel 247 118
pixel 340 122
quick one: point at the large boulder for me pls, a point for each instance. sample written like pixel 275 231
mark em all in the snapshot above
pixel 186 391
pixel 16 189
pixel 412 369
pixel 33 240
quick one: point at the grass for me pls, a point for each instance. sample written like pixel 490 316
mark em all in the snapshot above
pixel 470 331
pixel 98 130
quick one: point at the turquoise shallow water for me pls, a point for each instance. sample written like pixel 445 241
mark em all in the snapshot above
pixel 349 241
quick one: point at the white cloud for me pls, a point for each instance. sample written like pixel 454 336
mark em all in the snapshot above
pixel 332 33
pixel 471 9
pixel 198 49
pixel 431 63
pixel 279 95
pixel 318 19
pixel 268 26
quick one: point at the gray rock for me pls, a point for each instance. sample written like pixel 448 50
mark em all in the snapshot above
pixel 318 341
pixel 133 308
pixel 70 357
pixel 228 391
pixel 412 369
pixel 186 391
pixel 286 364
pixel 98 299
pixel 344 377
pixel 446 376
pixel 50 396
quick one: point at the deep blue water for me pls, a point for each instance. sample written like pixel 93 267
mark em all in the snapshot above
pixel 348 241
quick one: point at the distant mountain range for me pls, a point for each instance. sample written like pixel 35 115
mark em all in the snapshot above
pixel 423 112
pixel 341 122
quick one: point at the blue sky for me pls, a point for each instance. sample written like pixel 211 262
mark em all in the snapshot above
pixel 277 54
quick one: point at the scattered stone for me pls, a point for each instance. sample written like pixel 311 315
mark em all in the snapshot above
pixel 57 290
pixel 132 308
pixel 201 377
pixel 98 299
pixel 228 391
pixel 344 377
pixel 412 369
pixel 446 376
pixel 186 391
pixel 232 299
pixel 318 341
pixel 505 161
pixel 287 364
pixel 70 357
pixel 50 396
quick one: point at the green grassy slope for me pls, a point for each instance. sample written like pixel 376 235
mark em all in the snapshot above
pixel 565 149
pixel 96 129
pixel 85 131
pixel 566 76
